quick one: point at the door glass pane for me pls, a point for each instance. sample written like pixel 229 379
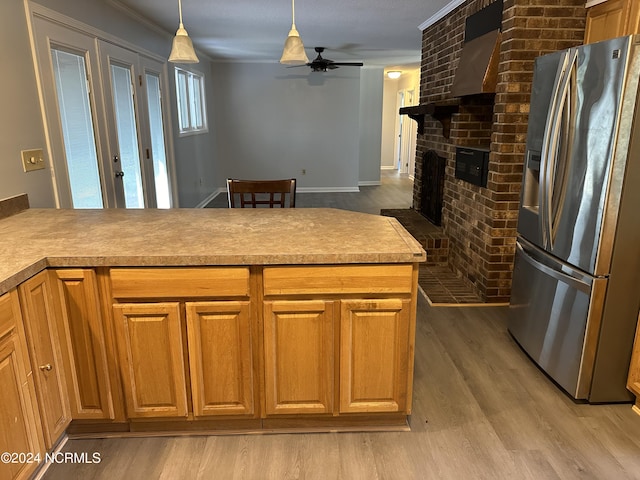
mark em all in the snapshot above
pixel 127 136
pixel 163 197
pixel 77 129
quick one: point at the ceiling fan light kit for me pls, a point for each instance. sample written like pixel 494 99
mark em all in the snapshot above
pixel 293 53
pixel 182 48
pixel 321 64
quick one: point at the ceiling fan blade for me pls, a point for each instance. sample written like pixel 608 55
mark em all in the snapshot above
pixel 349 64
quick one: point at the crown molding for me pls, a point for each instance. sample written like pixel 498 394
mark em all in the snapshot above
pixel 440 14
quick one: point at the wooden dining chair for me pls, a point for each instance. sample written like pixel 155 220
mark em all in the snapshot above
pixel 252 193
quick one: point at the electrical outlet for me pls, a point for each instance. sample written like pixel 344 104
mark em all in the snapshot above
pixel 32 159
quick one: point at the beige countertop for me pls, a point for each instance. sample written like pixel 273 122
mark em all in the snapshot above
pixel 36 238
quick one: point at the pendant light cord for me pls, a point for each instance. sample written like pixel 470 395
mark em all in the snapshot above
pixel 293 13
pixel 180 11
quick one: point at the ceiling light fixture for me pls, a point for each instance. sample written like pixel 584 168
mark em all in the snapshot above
pixel 293 53
pixel 394 74
pixel 182 49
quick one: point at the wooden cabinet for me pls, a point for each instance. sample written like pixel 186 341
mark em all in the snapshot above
pixel 347 349
pixel 149 338
pixel 189 356
pixel 299 356
pixel 220 360
pixel 611 19
pixel 83 345
pixel 633 382
pixel 40 314
pixel 19 421
pixel 374 355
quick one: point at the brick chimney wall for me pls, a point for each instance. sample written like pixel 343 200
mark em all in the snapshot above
pixel 481 222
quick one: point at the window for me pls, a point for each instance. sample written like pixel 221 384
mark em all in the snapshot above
pixel 192 115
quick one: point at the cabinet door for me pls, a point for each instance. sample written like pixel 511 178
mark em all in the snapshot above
pixel 18 410
pixel 40 314
pixel 374 355
pixel 149 338
pixel 298 352
pixel 219 341
pixel 83 345
pixel 611 19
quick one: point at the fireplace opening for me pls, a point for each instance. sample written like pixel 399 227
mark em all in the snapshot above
pixel 432 185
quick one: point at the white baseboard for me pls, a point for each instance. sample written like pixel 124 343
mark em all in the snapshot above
pixel 371 183
pixel 388 167
pixel 208 200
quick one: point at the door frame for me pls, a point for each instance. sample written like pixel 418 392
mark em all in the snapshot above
pixel 72 31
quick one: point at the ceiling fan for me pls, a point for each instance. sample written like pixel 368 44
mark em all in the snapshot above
pixel 321 64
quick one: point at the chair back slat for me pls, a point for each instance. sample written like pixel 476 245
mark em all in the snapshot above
pixel 253 193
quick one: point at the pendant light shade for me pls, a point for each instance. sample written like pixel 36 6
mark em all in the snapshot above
pixel 182 49
pixel 293 53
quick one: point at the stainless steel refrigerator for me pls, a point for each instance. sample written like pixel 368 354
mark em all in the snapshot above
pixel 576 279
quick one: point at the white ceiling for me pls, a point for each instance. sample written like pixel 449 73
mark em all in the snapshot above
pixel 377 32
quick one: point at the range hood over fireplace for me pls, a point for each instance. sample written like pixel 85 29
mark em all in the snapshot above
pixel 478 66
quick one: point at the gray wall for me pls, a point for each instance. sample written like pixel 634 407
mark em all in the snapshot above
pixel 371 89
pixel 274 122
pixel 265 121
pixel 20 121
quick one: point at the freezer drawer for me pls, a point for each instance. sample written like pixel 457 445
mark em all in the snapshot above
pixel 553 318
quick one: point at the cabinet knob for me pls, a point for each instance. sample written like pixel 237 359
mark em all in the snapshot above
pixel 46 367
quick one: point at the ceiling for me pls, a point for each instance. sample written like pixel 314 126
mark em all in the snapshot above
pixel 376 32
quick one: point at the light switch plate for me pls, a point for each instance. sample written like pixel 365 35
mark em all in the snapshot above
pixel 32 159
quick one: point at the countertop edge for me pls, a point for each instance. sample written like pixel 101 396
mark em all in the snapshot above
pixel 41 264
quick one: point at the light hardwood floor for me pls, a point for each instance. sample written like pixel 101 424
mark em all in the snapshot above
pixel 482 410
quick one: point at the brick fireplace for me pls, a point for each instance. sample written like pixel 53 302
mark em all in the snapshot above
pixel 481 222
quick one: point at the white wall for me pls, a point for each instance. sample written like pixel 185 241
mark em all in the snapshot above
pixel 20 121
pixel 273 122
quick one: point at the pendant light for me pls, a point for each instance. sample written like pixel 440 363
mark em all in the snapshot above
pixel 294 53
pixel 182 49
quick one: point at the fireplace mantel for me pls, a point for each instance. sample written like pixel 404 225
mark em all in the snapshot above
pixel 440 111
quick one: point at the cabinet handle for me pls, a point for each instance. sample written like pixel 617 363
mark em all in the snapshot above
pixel 46 368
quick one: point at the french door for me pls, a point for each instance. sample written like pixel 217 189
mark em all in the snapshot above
pixel 105 119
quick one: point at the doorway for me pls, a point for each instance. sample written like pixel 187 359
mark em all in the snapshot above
pixel 106 121
pixel 406 137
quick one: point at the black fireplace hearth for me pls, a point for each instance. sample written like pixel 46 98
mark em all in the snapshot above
pixel 432 184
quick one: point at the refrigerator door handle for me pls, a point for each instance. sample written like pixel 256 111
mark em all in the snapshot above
pixel 550 127
pixel 578 281
pixel 561 117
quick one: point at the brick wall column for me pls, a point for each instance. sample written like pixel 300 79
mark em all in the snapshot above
pixel 481 222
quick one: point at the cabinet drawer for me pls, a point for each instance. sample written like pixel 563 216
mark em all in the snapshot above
pixel 325 279
pixel 179 282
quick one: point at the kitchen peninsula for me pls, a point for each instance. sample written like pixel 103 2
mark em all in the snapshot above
pixel 207 320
